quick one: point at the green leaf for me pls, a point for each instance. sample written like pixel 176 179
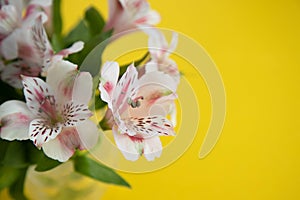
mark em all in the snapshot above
pixel 104 125
pixel 79 33
pixel 94 20
pixel 33 153
pixel 8 175
pixel 90 60
pixel 92 169
pixel 45 163
pixel 3 147
pixel 99 103
pixel 16 190
pixel 56 40
pixel 57 19
pixel 15 155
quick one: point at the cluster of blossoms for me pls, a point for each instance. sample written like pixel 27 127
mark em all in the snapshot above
pixel 56 114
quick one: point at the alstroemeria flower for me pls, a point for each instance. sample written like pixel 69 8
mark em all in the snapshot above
pixel 12 17
pixel 11 73
pixel 136 107
pixel 32 48
pixel 160 51
pixel 129 14
pixel 57 114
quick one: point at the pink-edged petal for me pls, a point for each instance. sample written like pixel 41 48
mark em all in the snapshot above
pixel 152 148
pixel 149 126
pixel 131 149
pixel 76 47
pixel 42 131
pixel 156 43
pixel 83 88
pixel 40 40
pixel 115 11
pixel 39 97
pixel 151 18
pixel 124 89
pixel 15 119
pixel 88 134
pixel 12 73
pixel 74 113
pixel 108 81
pixel 60 77
pixel 63 146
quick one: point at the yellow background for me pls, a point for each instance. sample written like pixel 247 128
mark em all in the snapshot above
pixel 256 47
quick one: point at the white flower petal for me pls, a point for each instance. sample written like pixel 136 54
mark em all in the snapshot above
pixel 174 42
pixel 152 148
pixel 39 97
pixel 40 131
pixel 58 149
pixel 75 113
pixel 43 3
pixel 88 134
pixel 151 66
pixel 158 78
pixel 61 76
pixel 15 119
pixel 76 47
pixel 83 88
pixel 9 20
pixel 64 145
pixel 131 150
pixel 149 126
pixel 124 89
pixel 11 74
pixel 108 81
pixel 9 46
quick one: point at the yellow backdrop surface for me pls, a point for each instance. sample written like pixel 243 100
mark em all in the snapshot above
pixel 256 46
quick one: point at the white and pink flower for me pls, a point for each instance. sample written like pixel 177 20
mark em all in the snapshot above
pixel 56 115
pixel 160 51
pixel 137 109
pixel 33 49
pixel 129 14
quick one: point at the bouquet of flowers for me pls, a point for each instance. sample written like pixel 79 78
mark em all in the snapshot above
pixel 53 83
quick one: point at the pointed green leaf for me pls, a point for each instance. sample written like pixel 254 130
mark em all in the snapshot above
pixel 79 33
pixel 94 20
pixel 15 155
pixel 90 57
pixel 16 190
pixel 8 175
pixel 45 163
pixel 57 19
pixel 56 39
pixel 95 170
pixel 3 147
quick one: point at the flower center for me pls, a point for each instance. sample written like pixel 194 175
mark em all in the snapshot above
pixel 48 107
pixel 135 103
